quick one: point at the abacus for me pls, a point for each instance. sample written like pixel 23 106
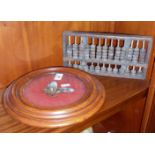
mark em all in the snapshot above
pixel 107 54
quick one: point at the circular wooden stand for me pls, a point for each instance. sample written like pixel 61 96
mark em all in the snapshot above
pixel 22 108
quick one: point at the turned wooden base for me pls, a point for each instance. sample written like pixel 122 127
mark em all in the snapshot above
pixel 18 105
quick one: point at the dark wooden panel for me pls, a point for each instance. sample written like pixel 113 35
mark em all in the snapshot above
pixel 151 122
pixel 148 124
pixel 126 121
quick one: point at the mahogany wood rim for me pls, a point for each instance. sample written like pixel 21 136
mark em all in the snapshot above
pixel 81 110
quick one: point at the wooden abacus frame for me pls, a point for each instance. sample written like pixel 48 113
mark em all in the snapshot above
pixel 123 63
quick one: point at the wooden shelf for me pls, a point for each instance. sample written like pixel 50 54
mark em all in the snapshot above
pixel 120 92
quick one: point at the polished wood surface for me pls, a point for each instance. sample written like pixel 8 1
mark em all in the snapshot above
pixel 148 124
pixel 120 92
pixel 26 46
pixel 143 28
pixel 21 109
pixel 127 120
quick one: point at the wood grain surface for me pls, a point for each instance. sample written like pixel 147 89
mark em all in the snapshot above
pixel 148 124
pixel 26 46
pixel 128 120
pixel 144 28
pixel 120 92
pixel 20 108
